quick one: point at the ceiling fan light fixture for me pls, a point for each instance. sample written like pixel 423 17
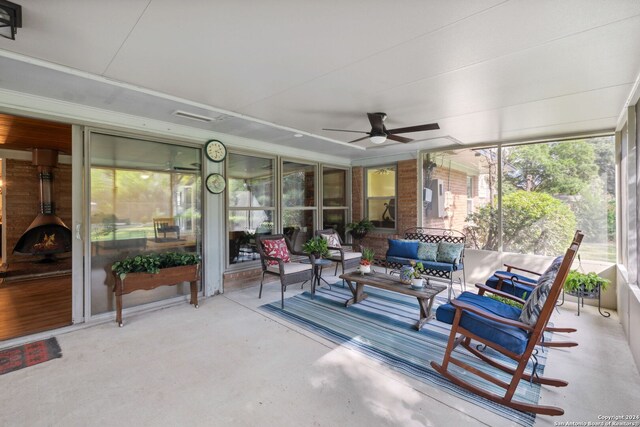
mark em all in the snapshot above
pixel 377 139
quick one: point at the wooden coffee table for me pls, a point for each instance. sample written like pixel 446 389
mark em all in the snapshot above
pixel 392 283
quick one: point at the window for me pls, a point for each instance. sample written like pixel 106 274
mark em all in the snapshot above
pixel 136 185
pixel 334 199
pixel 298 202
pixel 380 196
pixel 306 198
pixel 548 190
pixel 251 205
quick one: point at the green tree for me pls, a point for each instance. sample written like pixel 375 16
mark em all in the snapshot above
pixel 532 222
pixel 557 168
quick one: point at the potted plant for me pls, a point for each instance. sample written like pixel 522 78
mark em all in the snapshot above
pixel 148 271
pixel 359 229
pixel 316 246
pixel 366 260
pixel 586 285
pixel 417 281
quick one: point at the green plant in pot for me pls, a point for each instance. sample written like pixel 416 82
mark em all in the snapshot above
pixel 359 229
pixel 585 284
pixel 153 262
pixel 317 246
pixel 366 260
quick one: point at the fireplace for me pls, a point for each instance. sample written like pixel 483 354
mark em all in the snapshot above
pixel 47 235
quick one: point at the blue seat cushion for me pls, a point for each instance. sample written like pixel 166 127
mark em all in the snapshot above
pixel 509 337
pixel 519 290
pixel 403 248
pixel 428 265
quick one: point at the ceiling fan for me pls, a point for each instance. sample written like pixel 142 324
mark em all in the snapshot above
pixel 379 133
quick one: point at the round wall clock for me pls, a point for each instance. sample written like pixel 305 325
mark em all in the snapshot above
pixel 215 183
pixel 215 150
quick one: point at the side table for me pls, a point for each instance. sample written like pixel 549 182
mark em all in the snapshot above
pixel 318 265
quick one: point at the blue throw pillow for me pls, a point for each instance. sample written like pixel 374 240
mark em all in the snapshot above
pixel 449 252
pixel 403 248
pixel 533 307
pixel 427 251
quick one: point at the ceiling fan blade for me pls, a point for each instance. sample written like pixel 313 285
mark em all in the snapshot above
pixel 398 138
pixel 419 128
pixel 345 130
pixel 376 119
pixel 359 139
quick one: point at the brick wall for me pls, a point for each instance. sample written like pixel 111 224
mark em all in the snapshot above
pixel 22 199
pixel 357 193
pixel 455 213
pixel 406 205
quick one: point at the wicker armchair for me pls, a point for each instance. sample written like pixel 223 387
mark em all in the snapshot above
pixel 347 259
pixel 289 272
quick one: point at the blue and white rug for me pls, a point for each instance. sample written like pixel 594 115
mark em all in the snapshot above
pixel 382 327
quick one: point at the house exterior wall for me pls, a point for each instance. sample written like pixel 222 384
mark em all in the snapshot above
pixel 455 183
pixel 406 205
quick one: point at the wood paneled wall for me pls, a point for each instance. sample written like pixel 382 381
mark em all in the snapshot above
pixel 36 305
pixel 21 133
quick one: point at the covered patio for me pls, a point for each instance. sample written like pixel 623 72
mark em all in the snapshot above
pixel 511 124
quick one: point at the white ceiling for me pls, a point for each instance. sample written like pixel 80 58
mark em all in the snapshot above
pixel 485 70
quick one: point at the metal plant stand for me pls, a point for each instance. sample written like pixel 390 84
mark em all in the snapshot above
pixel 582 294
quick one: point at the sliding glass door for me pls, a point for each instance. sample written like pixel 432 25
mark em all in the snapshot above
pixel 145 196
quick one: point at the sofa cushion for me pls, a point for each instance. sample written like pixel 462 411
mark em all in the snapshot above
pixel 336 256
pixel 533 307
pixel 509 337
pixel 428 265
pixel 520 290
pixel 449 252
pixel 403 248
pixel 427 251
pixel 290 267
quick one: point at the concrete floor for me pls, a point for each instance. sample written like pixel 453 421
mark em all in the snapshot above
pixel 229 363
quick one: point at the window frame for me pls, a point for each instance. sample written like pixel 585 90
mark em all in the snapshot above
pixel 395 196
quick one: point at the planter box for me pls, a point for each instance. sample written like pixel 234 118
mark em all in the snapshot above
pixel 148 281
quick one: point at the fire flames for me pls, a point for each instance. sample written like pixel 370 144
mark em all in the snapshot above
pixel 48 243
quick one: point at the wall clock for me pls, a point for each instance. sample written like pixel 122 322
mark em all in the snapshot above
pixel 215 150
pixel 215 183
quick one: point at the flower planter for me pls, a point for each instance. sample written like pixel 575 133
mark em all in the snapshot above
pixel 364 269
pixel 147 281
pixel 406 273
pixel 417 283
pixel 358 234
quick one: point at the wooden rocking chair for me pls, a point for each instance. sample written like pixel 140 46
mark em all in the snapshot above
pixel 511 337
pixel 517 287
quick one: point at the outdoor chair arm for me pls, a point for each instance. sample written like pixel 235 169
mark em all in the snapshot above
pixel 459 305
pixel 510 267
pixel 272 258
pixel 484 288
pixel 292 252
pixel 514 279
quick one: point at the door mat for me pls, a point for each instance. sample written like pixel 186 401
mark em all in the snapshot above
pixel 30 354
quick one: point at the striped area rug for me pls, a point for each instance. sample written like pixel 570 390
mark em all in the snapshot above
pixel 382 327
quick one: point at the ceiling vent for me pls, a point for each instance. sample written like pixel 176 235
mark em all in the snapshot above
pixel 198 117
